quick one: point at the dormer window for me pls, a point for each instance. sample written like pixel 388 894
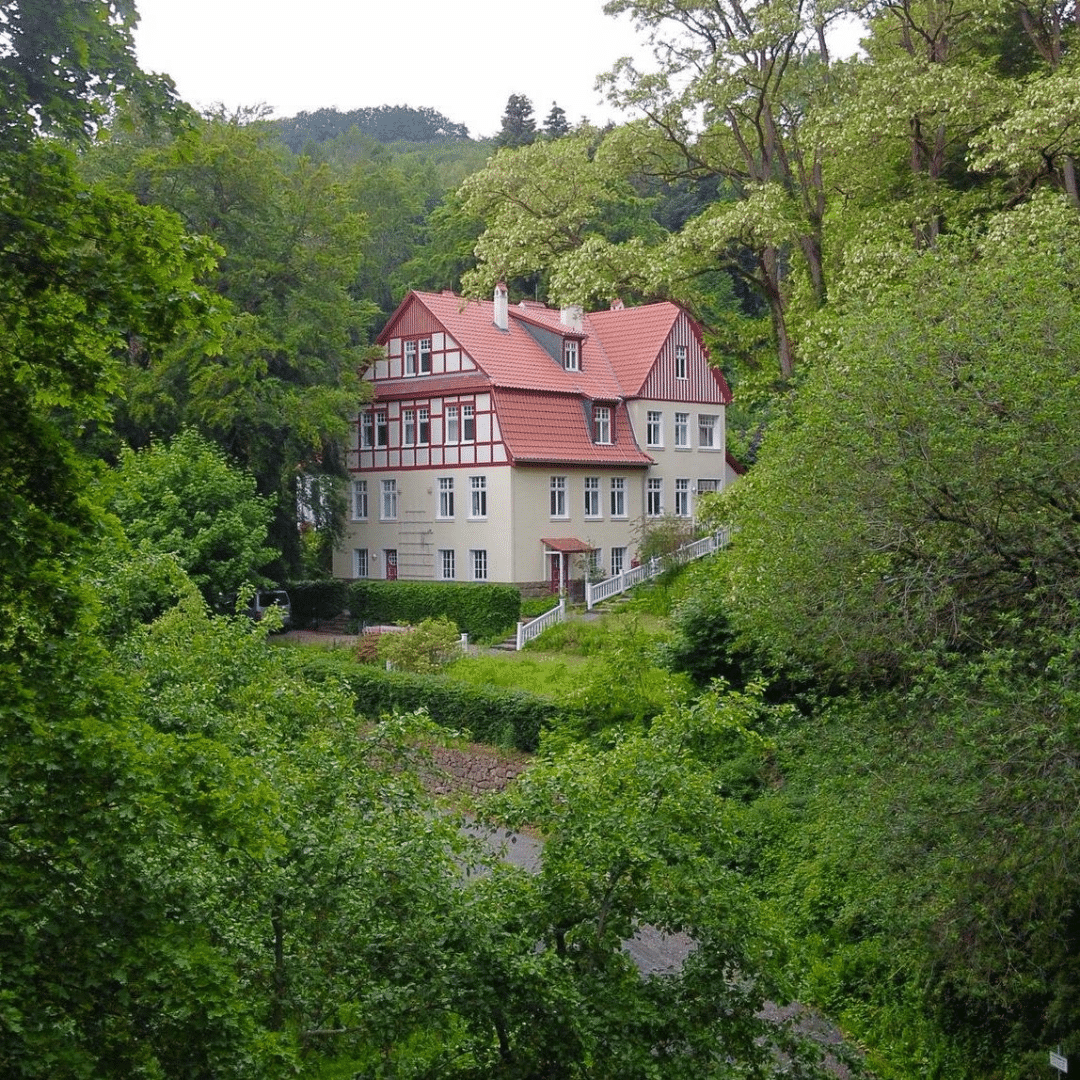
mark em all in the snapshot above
pixel 571 355
pixel 601 424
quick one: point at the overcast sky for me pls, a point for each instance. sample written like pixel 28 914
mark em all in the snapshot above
pixel 461 57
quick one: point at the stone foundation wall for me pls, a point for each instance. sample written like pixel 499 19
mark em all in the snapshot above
pixel 474 769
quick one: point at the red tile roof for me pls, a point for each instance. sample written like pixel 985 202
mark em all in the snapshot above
pixel 431 385
pixel 568 545
pixel 632 338
pixel 551 428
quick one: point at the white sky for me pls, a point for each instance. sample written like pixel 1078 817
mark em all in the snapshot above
pixel 463 58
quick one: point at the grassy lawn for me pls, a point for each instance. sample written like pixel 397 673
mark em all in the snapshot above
pixel 551 676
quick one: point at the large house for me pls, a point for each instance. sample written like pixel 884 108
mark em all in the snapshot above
pixel 521 444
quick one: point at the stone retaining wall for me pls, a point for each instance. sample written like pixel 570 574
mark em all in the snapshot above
pixel 474 769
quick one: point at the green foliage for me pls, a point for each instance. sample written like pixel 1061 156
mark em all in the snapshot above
pixel 518 123
pixel 316 600
pixel 384 123
pixel 187 499
pixel 481 611
pixel 423 649
pixel 549 676
pixel 662 537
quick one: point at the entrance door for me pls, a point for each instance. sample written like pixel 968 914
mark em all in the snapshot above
pixel 556 572
pixel 391 564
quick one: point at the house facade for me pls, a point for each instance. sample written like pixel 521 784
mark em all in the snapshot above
pixel 527 445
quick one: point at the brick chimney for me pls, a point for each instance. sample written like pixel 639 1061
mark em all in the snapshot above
pixel 573 317
pixel 502 307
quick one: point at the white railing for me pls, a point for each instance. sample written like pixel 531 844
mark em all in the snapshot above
pixel 528 631
pixel 612 586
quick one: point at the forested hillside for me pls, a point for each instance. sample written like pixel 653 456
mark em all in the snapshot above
pixel 850 773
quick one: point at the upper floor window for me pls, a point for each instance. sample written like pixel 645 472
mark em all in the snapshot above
pixel 601 424
pixel 707 425
pixel 453 431
pixel 680 361
pixel 654 428
pixel 468 423
pixel 446 496
pixel 592 496
pixel 359 501
pixel 654 497
pixel 571 355
pixel 682 429
pixel 682 498
pixel 618 497
pixel 373 430
pixel 558 497
pixel 446 564
pixel 423 426
pixel 478 492
pixel 408 427
pixel 410 357
pixel 382 431
pixel 388 510
pixel 425 356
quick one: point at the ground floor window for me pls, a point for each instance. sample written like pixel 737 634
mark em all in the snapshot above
pixel 360 562
pixel 618 560
pixel 446 564
pixel 479 564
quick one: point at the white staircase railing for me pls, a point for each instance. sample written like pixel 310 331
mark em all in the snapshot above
pixel 527 631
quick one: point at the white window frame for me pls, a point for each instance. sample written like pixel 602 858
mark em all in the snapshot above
pixel 618 497
pixel 359 500
pixel 602 424
pixel 382 430
pixel 361 563
pixel 388 500
pixel 618 560
pixel 654 428
pixel 424 348
pixel 478 508
pixel 680 362
pixel 571 354
pixel 557 493
pixel 408 427
pixel 468 423
pixel 682 430
pixel 654 497
pixel 446 498
pixel 367 430
pixel 447 569
pixel 478 562
pixel 453 428
pixel 682 498
pixel 410 358
pixel 707 425
pixel 592 496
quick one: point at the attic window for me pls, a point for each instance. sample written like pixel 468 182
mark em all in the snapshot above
pixel 680 361
pixel 571 357
pixel 601 424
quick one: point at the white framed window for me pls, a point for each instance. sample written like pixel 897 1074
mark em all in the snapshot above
pixel 704 486
pixel 706 426
pixel 359 501
pixel 360 562
pixel 446 564
pixel 478 496
pixel 446 497
pixel 423 426
pixel 680 361
pixel 558 497
pixel 618 497
pixel 571 355
pixel 682 498
pixel 468 423
pixel 618 560
pixel 453 432
pixel 654 428
pixel 410 357
pixel 408 427
pixel 479 560
pixel 654 497
pixel 367 430
pixel 388 509
pixel 382 432
pixel 425 356
pixel 601 416
pixel 682 429
pixel 592 496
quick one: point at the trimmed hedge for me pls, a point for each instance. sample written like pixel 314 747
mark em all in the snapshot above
pixel 495 717
pixel 481 611
pixel 314 600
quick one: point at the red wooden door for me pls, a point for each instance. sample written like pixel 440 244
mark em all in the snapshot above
pixel 391 564
pixel 556 575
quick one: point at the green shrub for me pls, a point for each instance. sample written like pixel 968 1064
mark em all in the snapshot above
pixel 315 600
pixel 481 611
pixel 424 649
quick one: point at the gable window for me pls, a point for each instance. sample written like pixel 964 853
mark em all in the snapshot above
pixel 558 497
pixel 618 497
pixel 680 361
pixel 592 496
pixel 654 497
pixel 571 356
pixel 382 432
pixel 425 356
pixel 410 357
pixel 682 429
pixel 453 432
pixel 601 424
pixel 682 498
pixel 360 562
pixel 423 426
pixel 446 564
pixel 359 501
pixel 707 430
pixel 479 561
pixel 408 428
pixel 367 431
pixel 388 509
pixel 478 491
pixel 618 560
pixel 654 428
pixel 468 423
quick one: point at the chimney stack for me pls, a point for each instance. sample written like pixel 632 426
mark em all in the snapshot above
pixel 502 307
pixel 573 317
